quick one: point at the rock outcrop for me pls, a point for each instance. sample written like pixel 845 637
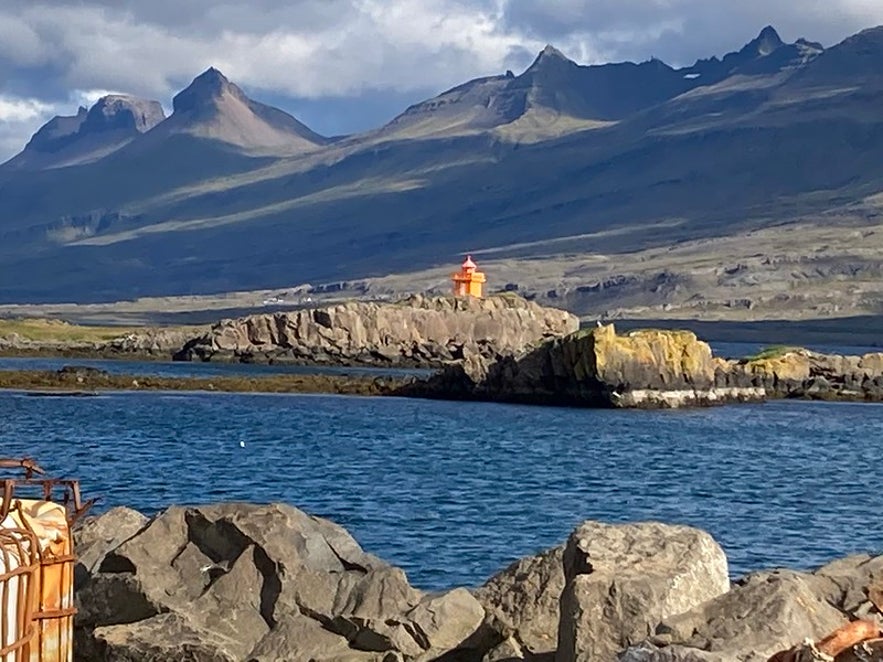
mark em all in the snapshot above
pixel 599 368
pixel 654 369
pixel 146 342
pixel 799 373
pixel 418 331
pixel 246 582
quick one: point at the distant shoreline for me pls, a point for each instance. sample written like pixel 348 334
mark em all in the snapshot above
pixel 77 380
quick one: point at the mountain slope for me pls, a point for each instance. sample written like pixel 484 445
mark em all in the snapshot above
pixel 214 108
pixel 113 122
pixel 766 145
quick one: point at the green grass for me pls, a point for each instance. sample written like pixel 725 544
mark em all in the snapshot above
pixel 53 330
pixel 772 352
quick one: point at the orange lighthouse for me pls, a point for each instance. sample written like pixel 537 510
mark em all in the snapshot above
pixel 468 281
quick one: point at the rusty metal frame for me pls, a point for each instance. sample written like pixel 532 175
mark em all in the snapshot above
pixel 21 544
pixel 46 615
pixel 71 498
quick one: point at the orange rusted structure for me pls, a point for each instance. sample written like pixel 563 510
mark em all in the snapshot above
pixel 39 525
pixel 840 646
pixel 469 280
pixel 19 565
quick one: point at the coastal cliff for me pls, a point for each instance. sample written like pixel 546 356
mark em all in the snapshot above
pixel 599 368
pixel 419 331
pixel 231 582
pixel 652 369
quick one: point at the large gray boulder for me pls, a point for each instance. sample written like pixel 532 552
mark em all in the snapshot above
pixel 249 582
pixel 768 612
pixel 522 606
pixel 622 580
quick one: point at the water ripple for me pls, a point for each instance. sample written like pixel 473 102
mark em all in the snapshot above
pixel 452 492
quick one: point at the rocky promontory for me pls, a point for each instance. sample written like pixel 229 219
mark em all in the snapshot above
pixel 652 368
pixel 51 337
pixel 418 331
pixel 232 582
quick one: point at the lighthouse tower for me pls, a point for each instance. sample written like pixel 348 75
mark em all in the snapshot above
pixel 468 281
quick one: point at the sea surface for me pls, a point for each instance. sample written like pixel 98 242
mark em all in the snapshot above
pixel 453 492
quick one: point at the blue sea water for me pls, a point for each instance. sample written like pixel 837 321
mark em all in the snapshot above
pixel 453 492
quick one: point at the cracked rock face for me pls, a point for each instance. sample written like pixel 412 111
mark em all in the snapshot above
pixel 622 580
pixel 250 582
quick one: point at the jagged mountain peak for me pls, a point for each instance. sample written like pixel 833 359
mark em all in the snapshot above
pixel 550 56
pixel 123 111
pixel 766 42
pixel 214 107
pixel 206 88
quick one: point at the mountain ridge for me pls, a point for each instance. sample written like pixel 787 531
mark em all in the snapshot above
pixel 765 145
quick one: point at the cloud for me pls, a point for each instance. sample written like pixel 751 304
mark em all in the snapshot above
pixel 307 51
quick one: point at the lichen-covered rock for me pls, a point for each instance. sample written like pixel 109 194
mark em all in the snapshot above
pixel 238 581
pixel 800 373
pixel 598 367
pixel 622 580
pixel 418 331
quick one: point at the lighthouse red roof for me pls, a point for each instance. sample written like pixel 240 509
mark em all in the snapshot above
pixel 469 264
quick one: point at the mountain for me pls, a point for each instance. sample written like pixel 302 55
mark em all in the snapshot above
pixel 552 86
pixel 713 189
pixel 113 122
pixel 765 54
pixel 555 87
pixel 213 108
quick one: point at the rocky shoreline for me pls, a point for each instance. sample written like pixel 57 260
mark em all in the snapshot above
pixel 82 380
pixel 232 582
pixel 501 349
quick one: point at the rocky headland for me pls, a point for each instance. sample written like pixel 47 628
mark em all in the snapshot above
pixel 232 582
pixel 416 331
pixel 502 348
pixel 50 337
pixel 650 369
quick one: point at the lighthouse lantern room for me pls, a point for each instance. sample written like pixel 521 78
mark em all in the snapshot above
pixel 469 280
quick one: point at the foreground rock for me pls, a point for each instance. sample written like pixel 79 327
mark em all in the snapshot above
pixel 767 612
pixel 416 331
pixel 622 580
pixel 244 582
pixel 270 583
pixel 522 607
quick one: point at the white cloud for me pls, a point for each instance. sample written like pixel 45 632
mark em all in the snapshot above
pixel 21 110
pixel 318 49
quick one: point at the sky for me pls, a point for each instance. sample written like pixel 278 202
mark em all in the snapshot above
pixel 343 66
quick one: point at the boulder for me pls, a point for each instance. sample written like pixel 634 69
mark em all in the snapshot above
pixel 622 580
pixel 94 537
pixel 417 331
pixel 242 582
pixel 522 606
pixel 769 612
